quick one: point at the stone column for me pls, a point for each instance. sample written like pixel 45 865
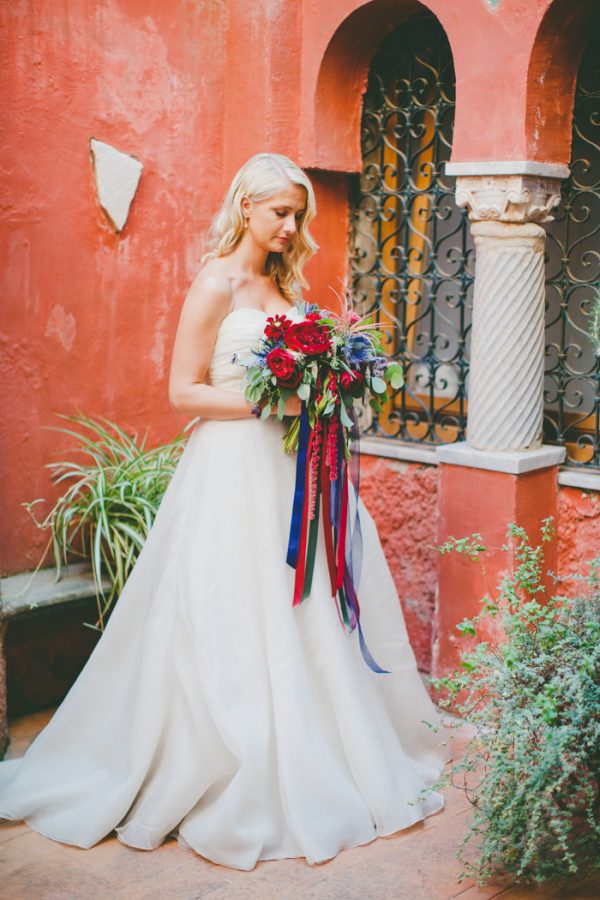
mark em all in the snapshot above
pixel 507 339
pixel 503 472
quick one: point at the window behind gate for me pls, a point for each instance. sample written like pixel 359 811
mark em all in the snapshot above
pixel 411 252
pixel 572 383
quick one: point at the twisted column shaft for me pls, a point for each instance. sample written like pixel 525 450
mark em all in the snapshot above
pixel 506 378
pixel 507 342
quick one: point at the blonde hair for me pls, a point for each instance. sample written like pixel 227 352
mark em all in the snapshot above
pixel 259 178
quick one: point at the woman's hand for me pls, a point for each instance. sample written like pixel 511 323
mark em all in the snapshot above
pixel 293 407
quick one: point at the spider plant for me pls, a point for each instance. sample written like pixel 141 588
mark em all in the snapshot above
pixel 109 505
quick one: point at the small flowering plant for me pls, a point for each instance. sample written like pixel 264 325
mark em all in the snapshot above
pixel 329 360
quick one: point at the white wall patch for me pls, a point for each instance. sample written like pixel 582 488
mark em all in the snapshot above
pixel 117 176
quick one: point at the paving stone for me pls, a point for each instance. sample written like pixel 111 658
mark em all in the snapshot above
pixel 417 863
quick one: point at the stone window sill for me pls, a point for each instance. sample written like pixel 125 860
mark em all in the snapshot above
pixel 568 476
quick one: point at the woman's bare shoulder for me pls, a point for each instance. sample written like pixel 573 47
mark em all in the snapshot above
pixel 210 292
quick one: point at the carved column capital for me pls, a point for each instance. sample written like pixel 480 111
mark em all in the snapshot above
pixel 508 198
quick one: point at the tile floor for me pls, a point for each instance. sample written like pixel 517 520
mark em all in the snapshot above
pixel 416 864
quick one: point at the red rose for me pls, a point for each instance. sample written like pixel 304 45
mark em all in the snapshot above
pixel 276 327
pixel 307 337
pixel 283 365
pixel 352 383
pixel 314 316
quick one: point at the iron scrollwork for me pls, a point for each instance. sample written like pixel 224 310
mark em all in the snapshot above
pixel 572 378
pixel 411 251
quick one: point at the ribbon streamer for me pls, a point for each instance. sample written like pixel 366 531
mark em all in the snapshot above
pixel 343 539
pixel 294 541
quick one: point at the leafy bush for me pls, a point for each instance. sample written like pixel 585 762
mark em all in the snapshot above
pixel 531 772
pixel 111 502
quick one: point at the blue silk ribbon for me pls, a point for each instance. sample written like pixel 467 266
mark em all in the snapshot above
pixel 354 542
pixel 299 491
pixel 354 547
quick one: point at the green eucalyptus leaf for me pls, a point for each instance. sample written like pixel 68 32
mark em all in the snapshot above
pixel 344 417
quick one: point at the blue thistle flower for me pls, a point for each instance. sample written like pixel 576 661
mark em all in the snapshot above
pixel 357 349
pixel 261 355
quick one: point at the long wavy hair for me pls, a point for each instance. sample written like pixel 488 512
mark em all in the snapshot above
pixel 259 178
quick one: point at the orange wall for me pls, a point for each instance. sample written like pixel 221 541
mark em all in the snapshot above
pixel 191 89
pixel 515 67
pixel 87 315
pixel 404 499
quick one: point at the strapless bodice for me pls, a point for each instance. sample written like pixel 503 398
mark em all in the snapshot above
pixel 239 331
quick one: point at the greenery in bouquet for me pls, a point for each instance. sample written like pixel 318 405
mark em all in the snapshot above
pixel 532 769
pixel 329 360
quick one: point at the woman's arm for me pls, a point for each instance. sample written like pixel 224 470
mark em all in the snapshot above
pixel 207 302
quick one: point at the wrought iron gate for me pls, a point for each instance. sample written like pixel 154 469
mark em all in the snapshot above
pixel 572 383
pixel 411 252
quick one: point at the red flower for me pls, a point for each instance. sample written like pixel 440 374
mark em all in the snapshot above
pixel 314 316
pixel 276 327
pixel 307 337
pixel 352 383
pixel 283 365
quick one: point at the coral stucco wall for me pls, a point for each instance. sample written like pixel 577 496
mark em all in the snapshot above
pixel 578 534
pixel 402 499
pixel 88 315
pixel 515 65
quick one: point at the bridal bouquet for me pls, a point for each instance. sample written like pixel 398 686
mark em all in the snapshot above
pixel 329 360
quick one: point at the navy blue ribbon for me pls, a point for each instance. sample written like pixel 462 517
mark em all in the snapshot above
pixel 353 549
pixel 355 542
pixel 296 523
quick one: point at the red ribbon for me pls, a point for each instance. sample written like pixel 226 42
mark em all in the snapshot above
pixel 327 524
pixel 340 573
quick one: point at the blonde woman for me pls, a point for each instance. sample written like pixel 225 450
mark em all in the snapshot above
pixel 211 710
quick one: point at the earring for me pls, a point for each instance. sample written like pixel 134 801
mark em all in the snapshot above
pixel 245 223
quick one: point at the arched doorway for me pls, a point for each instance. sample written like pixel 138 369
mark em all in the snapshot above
pixel 411 252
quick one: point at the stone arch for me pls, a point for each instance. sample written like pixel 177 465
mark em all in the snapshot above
pixel 552 76
pixel 343 77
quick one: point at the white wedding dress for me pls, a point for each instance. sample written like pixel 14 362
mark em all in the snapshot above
pixel 212 710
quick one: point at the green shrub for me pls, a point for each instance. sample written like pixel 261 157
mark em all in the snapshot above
pixel 531 772
pixel 110 504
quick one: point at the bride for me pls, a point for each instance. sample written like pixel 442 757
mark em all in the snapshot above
pixel 211 710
